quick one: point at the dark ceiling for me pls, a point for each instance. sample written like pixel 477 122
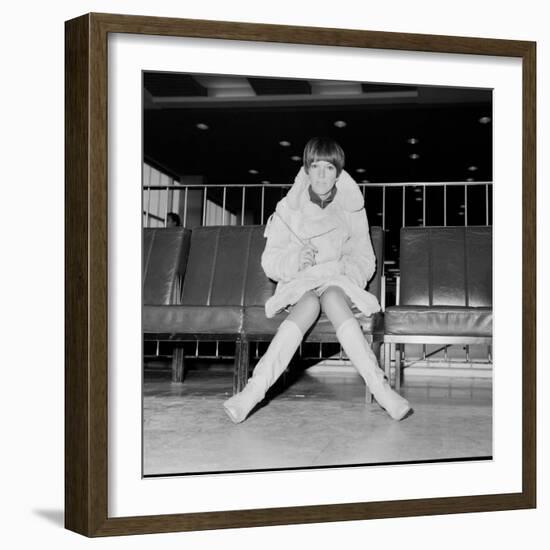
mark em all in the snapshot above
pixel 247 118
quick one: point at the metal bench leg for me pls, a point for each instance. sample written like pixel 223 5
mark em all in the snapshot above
pixel 242 363
pixel 387 361
pixel 398 367
pixel 178 364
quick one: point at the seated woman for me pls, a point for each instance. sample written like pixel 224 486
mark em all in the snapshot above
pixel 319 251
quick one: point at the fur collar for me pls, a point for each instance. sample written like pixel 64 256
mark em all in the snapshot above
pixel 349 195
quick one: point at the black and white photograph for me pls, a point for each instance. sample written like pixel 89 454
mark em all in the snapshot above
pixel 317 274
pixel 274 275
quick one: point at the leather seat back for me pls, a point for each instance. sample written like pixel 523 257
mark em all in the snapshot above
pixel 220 259
pixel 446 266
pixel 165 252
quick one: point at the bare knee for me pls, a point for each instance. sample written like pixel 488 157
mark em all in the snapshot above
pixel 310 302
pixel 336 305
pixel 305 311
pixel 333 295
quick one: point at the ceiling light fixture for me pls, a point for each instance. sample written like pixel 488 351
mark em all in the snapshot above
pixel 202 126
pixel 340 124
pixel 360 170
pixel 485 120
pixel 265 182
pixel 414 156
pixel 252 171
pixel 295 158
pixel 412 141
pixel 472 168
pixel 469 179
pixel 284 143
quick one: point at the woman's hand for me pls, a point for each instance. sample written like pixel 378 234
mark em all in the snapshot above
pixel 307 256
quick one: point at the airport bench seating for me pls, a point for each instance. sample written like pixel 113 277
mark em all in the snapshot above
pixel 220 292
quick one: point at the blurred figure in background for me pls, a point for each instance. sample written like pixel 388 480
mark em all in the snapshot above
pixel 173 220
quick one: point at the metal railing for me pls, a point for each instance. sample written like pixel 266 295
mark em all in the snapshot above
pixel 246 204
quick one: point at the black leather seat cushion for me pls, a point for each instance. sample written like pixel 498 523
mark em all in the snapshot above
pixel 439 321
pixel 177 319
pixel 256 323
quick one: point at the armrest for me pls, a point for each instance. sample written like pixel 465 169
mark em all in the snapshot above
pixel 383 293
pixel 397 289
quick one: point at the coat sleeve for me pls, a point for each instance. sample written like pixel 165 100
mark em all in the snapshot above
pixel 358 259
pixel 281 256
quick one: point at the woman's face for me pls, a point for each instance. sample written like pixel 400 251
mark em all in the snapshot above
pixel 323 176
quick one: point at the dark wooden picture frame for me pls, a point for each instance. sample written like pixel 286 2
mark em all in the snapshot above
pixel 86 283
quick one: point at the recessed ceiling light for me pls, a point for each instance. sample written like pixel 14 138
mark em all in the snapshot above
pixel 461 206
pixel 379 213
pixel 469 179
pixel 296 158
pixel 284 143
pixel 461 213
pixel 340 124
pixel 202 126
pixel 266 182
pixel 252 171
pixel 414 156
pixel 485 120
pixel 365 181
pixel 412 141
pixel 472 168
pixel 417 190
pixel 418 199
pixel 360 170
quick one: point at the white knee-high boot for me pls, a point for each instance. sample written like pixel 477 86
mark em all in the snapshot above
pixel 269 368
pixel 357 349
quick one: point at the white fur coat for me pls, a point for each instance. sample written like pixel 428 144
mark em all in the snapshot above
pixel 340 233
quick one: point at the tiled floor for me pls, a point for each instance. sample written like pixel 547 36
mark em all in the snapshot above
pixel 313 421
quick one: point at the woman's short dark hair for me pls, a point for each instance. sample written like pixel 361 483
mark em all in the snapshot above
pixel 324 148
